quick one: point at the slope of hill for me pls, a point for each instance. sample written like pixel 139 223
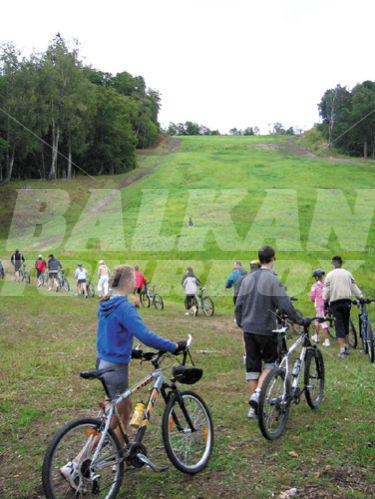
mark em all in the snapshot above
pixel 239 192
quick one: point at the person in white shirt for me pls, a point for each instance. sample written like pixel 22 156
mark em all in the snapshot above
pixel 103 277
pixel 81 278
pixel 190 282
pixel 339 287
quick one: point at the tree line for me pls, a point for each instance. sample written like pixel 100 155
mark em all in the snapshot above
pixel 58 115
pixel 348 119
pixel 192 128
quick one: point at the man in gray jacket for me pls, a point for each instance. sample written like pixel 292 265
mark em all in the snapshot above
pixel 260 295
pixel 339 287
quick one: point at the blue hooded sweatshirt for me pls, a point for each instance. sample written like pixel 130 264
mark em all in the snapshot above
pixel 118 323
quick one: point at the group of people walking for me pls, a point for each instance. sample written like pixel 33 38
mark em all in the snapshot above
pixel 259 295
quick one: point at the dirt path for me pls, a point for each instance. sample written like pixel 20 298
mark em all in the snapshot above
pixel 174 144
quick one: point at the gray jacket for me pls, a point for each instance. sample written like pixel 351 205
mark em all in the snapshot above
pixel 261 293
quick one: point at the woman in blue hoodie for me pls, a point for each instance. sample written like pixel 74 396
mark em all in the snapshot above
pixel 119 322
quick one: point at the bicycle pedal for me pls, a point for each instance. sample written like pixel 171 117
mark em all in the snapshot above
pixel 145 460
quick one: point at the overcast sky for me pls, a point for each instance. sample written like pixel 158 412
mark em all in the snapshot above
pixel 222 63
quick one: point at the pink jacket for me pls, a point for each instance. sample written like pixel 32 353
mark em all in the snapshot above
pixel 316 296
pixel 140 279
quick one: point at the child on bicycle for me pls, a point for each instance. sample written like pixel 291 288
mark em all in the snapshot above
pixel 119 322
pixel 316 296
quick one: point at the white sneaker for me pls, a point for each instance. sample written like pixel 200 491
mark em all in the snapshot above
pixel 254 400
pixel 326 343
pixel 70 473
pixel 187 313
pixel 315 338
pixel 49 289
pixel 251 414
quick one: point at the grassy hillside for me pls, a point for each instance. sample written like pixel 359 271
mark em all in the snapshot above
pixel 196 170
pixel 47 339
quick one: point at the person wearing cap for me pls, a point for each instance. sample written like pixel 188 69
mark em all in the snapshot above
pixel 316 296
pixel 40 267
pixel 81 277
pixel 339 287
pixel 103 277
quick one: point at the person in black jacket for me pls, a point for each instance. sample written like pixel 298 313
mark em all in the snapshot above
pixel 260 295
pixel 17 259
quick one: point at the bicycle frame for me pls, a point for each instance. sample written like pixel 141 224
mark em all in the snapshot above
pixel 157 388
pixel 286 364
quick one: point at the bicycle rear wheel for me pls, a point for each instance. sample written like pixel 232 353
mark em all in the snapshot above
pixel 66 286
pixel 314 377
pixel 76 442
pixel 145 300
pixel 189 451
pixel 370 342
pixel 208 307
pixel 353 338
pixel 274 404
pixel 158 302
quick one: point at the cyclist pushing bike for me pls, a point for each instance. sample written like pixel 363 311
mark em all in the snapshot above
pixel 260 295
pixel 339 287
pixel 119 322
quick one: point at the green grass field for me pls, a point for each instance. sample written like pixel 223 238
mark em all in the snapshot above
pixel 235 190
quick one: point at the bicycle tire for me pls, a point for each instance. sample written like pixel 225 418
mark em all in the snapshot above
pixel 208 312
pixel 314 356
pixel 48 486
pixel 171 421
pixel 363 338
pixel 145 300
pixel 91 291
pixel 353 337
pixel 158 302
pixel 264 402
pixel 370 342
pixel 66 286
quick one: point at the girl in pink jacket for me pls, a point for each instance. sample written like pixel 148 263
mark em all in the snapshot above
pixel 316 296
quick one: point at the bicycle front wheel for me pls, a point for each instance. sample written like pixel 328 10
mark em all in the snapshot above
pixel 158 302
pixel 370 342
pixel 208 307
pixel 188 432
pixel 66 286
pixel 314 377
pixel 353 339
pixel 67 467
pixel 274 404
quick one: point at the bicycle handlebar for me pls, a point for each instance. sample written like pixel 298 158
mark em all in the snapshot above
pixel 366 301
pixel 137 353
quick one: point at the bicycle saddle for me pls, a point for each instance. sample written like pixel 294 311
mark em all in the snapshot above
pixel 97 374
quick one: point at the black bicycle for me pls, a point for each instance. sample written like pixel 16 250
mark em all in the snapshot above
pixel 281 386
pixel 365 328
pixel 90 449
pixel 353 337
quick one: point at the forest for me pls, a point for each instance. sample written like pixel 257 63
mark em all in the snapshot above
pixel 59 116
pixel 348 119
